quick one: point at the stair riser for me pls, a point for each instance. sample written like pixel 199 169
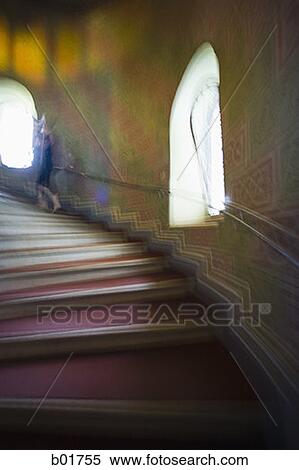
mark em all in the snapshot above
pixel 214 423
pixel 36 220
pixel 11 230
pixel 23 215
pixel 46 278
pixel 26 211
pixel 59 241
pixel 83 253
pixel 99 342
pixel 29 308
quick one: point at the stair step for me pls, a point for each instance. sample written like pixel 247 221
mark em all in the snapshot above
pixel 185 311
pixel 37 275
pixel 80 288
pixel 99 340
pixel 46 240
pixel 133 424
pixel 203 371
pixel 7 198
pixel 53 221
pixel 45 228
pixel 23 206
pixel 65 266
pixel 28 256
pixel 30 212
pixel 194 391
pixel 24 302
pixel 25 214
pixel 109 328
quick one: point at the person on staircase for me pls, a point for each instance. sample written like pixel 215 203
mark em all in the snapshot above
pixel 45 178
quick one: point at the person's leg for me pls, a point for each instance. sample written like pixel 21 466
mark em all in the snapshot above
pixel 42 184
pixel 41 201
pixel 56 202
pixel 54 188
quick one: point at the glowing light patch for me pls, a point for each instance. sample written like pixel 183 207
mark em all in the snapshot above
pixel 68 50
pixel 102 195
pixel 16 135
pixel 4 45
pixel 29 61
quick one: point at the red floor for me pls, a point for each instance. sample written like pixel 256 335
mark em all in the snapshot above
pixel 196 372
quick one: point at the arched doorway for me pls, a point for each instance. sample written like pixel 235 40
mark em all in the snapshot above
pixel 17 115
pixel 196 154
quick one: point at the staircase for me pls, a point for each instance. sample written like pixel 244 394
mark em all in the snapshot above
pixel 92 344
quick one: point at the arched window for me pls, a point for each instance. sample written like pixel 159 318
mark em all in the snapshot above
pixel 196 154
pixel 17 114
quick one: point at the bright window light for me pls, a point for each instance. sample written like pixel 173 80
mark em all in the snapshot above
pixel 196 154
pixel 207 136
pixel 216 190
pixel 16 135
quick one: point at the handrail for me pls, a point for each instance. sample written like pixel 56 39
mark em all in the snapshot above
pixel 152 188
pixel 163 191
pixel 262 218
pixel 267 240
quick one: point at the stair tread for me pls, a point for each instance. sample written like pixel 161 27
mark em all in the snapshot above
pixel 101 262
pixel 34 236
pixel 27 211
pixel 204 371
pixel 17 327
pixel 90 286
pixel 67 248
pixel 11 231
